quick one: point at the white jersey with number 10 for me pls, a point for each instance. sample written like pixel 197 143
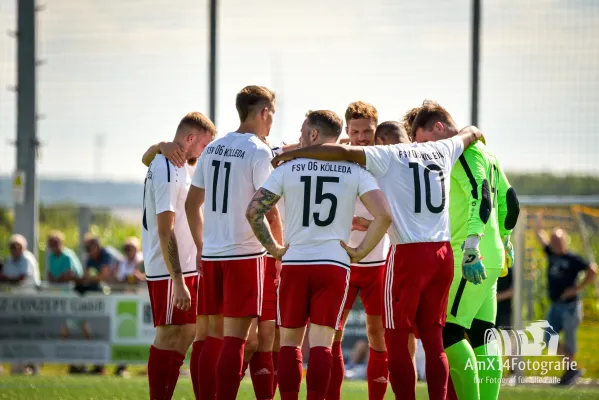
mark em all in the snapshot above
pixel 230 170
pixel 415 178
pixel 320 198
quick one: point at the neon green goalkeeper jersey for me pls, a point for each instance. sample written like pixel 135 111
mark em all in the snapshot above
pixel 481 202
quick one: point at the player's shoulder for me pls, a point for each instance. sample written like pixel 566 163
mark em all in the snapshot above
pixel 477 150
pixel 161 169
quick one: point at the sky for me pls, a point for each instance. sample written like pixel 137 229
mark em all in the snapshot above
pixel 119 75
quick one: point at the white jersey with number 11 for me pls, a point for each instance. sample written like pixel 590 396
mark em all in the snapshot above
pixel 230 171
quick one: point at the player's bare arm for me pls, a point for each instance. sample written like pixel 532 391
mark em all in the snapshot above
pixel 172 151
pixel 377 205
pixel 195 218
pixel 469 135
pixel 325 152
pixel 540 232
pixel 360 224
pixel 262 202
pixel 170 254
pixel 276 226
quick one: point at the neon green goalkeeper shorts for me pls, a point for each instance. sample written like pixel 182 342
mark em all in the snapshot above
pixel 468 301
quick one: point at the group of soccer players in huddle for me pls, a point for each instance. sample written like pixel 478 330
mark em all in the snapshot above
pixel 387 216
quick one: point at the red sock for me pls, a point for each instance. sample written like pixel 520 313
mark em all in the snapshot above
pixel 163 372
pixel 377 374
pixel 437 368
pixel 451 393
pixel 177 362
pixel 244 368
pixel 337 373
pixel 401 368
pixel 207 368
pixel 290 372
pixel 275 377
pixel 319 372
pixel 262 371
pixel 194 366
pixel 228 368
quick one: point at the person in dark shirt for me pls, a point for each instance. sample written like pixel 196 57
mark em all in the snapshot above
pixel 97 269
pixel 505 291
pixel 565 313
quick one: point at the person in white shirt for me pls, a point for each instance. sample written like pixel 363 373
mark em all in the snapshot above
pixel 230 170
pixel 320 199
pixel 21 267
pixel 170 255
pixel 420 264
pixel 128 269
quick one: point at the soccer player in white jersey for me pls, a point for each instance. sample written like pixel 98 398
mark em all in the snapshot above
pixel 264 333
pixel 174 153
pixel 319 201
pixel 367 277
pixel 229 172
pixel 415 178
pixel 170 255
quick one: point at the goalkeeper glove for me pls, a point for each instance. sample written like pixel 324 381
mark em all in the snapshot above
pixel 509 254
pixel 473 269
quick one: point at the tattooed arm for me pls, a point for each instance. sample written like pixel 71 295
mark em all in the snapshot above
pixel 168 243
pixel 262 202
pixel 181 297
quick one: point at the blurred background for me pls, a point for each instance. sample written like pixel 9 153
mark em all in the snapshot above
pixel 114 77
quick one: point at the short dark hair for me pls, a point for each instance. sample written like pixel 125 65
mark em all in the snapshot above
pixel 197 120
pixel 430 113
pixel 252 98
pixel 326 122
pixel 391 129
pixel 361 110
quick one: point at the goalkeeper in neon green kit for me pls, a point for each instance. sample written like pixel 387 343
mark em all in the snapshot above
pixel 483 210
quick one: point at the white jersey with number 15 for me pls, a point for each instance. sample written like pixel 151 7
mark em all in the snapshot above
pixel 320 198
pixel 415 178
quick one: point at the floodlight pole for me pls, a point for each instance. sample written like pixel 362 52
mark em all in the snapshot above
pixel 212 66
pixel 475 59
pixel 26 209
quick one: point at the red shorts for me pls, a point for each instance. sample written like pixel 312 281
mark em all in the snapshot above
pixel 269 300
pixel 200 305
pixel 417 285
pixel 369 282
pixel 314 292
pixel 161 301
pixel 233 287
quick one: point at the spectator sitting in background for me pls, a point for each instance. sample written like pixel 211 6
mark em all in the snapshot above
pixel 21 267
pixel 98 269
pixel 565 313
pixel 63 265
pixel 128 269
pixel 98 265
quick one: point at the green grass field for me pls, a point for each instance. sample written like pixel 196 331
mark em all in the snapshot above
pixel 108 387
